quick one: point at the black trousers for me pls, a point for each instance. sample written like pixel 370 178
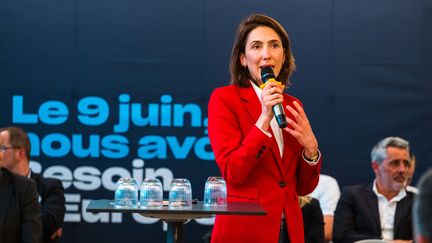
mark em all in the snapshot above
pixel 283 233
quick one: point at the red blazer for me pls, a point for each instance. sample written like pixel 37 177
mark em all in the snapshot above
pixel 254 171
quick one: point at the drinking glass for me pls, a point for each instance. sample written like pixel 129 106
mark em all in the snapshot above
pixel 215 192
pixel 151 193
pixel 180 194
pixel 126 194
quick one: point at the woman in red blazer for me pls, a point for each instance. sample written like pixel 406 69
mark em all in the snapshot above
pixel 259 161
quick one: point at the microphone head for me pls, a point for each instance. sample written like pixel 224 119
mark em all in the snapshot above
pixel 267 73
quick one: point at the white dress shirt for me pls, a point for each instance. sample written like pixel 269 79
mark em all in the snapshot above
pixel 387 211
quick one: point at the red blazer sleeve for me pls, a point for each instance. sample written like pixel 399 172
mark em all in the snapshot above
pixel 235 143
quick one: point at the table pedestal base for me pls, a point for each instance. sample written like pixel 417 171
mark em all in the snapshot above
pixel 175 232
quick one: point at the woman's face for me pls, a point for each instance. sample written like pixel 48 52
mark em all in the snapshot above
pixel 263 48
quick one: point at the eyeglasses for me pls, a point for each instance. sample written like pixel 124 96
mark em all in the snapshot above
pixel 4 148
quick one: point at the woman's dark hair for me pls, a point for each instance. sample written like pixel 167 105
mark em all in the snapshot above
pixel 240 74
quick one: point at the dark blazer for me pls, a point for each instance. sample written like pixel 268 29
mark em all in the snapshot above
pixel 357 216
pixel 52 199
pixel 313 222
pixel 20 212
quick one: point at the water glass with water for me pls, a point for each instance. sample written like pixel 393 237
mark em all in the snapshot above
pixel 151 193
pixel 180 194
pixel 215 192
pixel 126 194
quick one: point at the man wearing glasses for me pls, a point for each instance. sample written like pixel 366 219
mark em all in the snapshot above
pixel 15 157
pixel 20 212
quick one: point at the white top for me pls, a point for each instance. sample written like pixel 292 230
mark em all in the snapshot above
pixel 387 211
pixel 328 193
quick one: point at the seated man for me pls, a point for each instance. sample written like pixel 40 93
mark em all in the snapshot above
pixel 327 192
pixel 381 210
pixel 20 212
pixel 422 210
pixel 51 191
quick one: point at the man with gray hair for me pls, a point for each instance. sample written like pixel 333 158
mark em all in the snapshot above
pixel 381 210
pixel 422 209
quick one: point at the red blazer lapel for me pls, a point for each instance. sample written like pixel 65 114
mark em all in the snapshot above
pixel 252 105
pixel 250 101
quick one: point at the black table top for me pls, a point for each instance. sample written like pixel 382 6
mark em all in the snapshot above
pixel 196 210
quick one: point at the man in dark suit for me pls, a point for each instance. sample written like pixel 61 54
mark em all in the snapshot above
pixel 20 212
pixel 381 210
pixel 51 192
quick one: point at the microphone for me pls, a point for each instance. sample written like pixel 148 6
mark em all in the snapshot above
pixel 267 75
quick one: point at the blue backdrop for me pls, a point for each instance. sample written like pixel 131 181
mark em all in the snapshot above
pixel 120 88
